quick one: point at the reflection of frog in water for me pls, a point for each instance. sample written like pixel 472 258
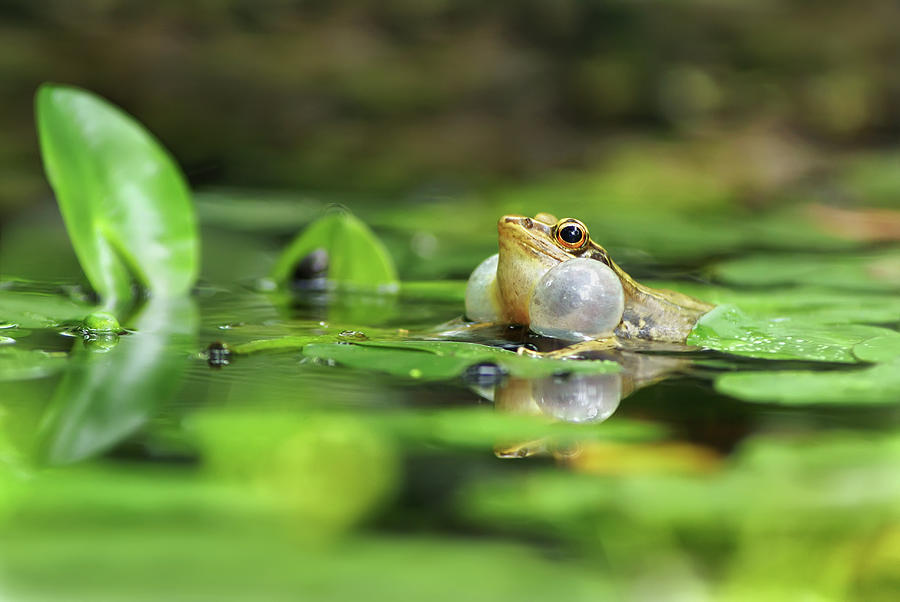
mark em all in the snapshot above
pixel 578 398
pixel 550 276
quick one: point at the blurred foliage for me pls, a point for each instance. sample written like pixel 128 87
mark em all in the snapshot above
pixel 434 96
pixel 730 151
pixel 765 526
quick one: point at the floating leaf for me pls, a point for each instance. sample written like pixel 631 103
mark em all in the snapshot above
pixel 865 272
pixel 880 349
pixel 39 310
pixel 726 328
pixel 442 360
pixel 125 203
pixel 811 304
pixel 356 259
pixel 876 385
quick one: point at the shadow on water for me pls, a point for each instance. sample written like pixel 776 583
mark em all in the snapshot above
pixel 114 385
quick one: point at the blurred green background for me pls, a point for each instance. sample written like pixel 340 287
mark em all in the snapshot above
pixel 745 150
pixel 437 97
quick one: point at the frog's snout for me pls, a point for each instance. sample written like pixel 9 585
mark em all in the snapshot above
pixel 516 220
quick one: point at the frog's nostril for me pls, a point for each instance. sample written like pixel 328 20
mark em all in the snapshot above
pixel 527 222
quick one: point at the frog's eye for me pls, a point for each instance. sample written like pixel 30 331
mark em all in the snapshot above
pixel 571 234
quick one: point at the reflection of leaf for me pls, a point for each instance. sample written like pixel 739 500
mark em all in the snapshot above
pixel 20 364
pixel 104 397
pixel 125 203
pixel 439 360
pixel 356 258
pixel 728 329
pixel 878 384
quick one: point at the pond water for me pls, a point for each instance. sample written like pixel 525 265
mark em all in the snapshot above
pixel 223 447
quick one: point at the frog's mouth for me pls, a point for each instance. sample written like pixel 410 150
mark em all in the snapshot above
pixel 531 236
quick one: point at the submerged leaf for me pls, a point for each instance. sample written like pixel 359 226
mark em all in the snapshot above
pixel 354 257
pixel 442 360
pixel 125 203
pixel 726 328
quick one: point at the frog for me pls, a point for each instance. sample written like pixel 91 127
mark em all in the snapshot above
pixel 551 277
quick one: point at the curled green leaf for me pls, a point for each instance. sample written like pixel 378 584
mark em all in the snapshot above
pixel 352 256
pixel 125 203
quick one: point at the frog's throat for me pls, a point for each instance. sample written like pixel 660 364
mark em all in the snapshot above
pixel 653 314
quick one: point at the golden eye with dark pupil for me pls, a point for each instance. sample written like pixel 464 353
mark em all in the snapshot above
pixel 571 235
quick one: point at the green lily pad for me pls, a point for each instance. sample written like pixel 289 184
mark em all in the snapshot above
pixel 443 360
pixel 356 259
pixel 879 384
pixel 728 329
pixel 39 310
pixel 880 349
pixel 865 272
pixel 125 203
pixel 811 304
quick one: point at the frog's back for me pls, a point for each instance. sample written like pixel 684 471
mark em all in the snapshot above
pixel 657 314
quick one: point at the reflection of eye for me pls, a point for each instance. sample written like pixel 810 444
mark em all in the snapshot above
pixel 571 234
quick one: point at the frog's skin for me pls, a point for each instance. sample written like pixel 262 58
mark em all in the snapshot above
pixel 529 247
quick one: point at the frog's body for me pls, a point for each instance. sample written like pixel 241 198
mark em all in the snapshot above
pixel 532 247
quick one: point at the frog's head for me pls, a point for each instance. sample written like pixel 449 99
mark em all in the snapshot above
pixel 529 247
